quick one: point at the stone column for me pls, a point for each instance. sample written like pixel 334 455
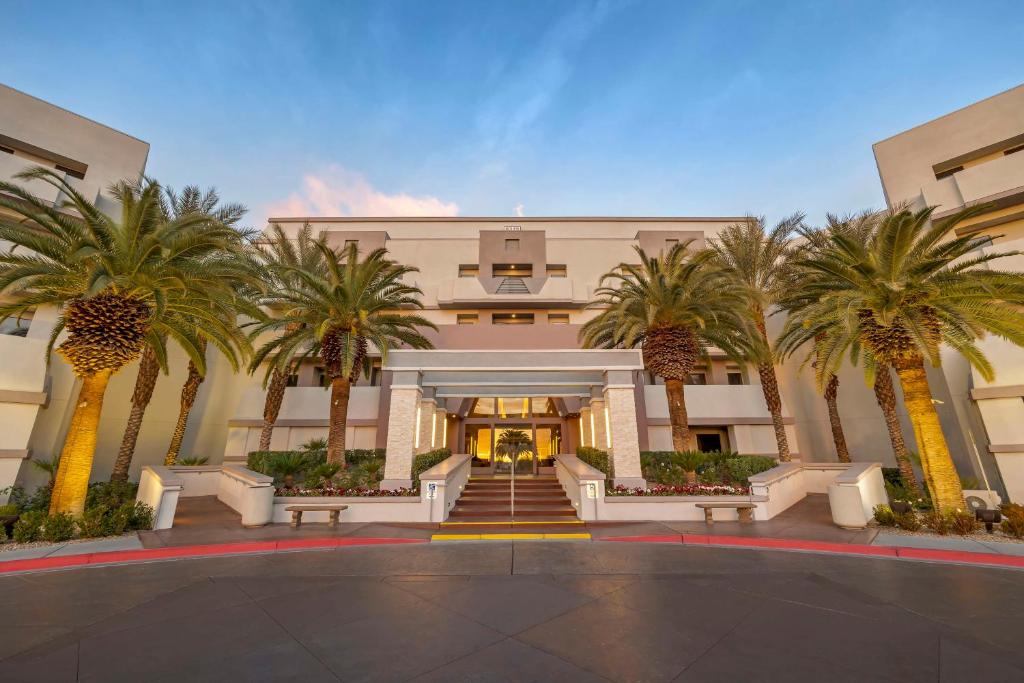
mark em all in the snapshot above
pixel 621 406
pixel 597 412
pixel 425 420
pixel 587 438
pixel 405 399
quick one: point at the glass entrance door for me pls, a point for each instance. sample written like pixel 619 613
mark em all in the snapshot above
pixel 513 449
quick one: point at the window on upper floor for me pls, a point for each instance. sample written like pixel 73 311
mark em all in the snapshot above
pixel 1013 150
pixel 292 380
pixel 557 270
pixel 320 378
pixel 512 244
pixel 351 243
pixel 6 149
pixel 71 172
pixel 939 175
pixel 669 243
pixel 467 318
pixel 558 318
pixel 699 378
pixel 17 326
pixel 735 377
pixel 512 318
pixel 376 373
pixel 512 270
pixel 469 270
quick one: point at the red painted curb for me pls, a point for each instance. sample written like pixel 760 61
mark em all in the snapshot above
pixel 753 543
pixel 147 554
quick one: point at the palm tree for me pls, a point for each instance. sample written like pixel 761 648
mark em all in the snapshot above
pixel 281 258
pixel 336 313
pixel 117 283
pixel 759 261
pixel 513 443
pixel 911 287
pixel 674 306
pixel 174 206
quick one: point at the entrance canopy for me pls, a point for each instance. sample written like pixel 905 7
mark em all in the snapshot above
pixel 454 373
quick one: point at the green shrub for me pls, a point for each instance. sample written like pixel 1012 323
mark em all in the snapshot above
pixel 39 500
pixel 321 474
pixel 884 515
pixel 58 527
pixel 257 461
pixel 3 533
pixel 112 494
pixel 937 522
pixel 1013 526
pixel 595 457
pixel 424 461
pixel 962 522
pixel 743 467
pixel 8 509
pixel 94 522
pixel 908 521
pixel 194 461
pixel 29 526
pixel 892 475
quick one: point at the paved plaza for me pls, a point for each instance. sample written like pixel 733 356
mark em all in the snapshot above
pixel 523 611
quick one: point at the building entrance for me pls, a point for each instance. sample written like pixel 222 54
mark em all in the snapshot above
pixel 523 434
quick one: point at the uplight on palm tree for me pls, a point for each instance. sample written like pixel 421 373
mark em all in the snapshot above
pixel 673 305
pixel 336 313
pixel 117 283
pixel 911 288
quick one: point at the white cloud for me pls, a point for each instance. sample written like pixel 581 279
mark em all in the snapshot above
pixel 336 191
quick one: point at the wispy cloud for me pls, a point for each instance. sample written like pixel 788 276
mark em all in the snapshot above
pixel 337 191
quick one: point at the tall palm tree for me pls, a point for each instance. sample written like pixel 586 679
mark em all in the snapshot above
pixel 174 206
pixel 281 257
pixel 759 261
pixel 674 306
pixel 911 287
pixel 116 282
pixel 336 313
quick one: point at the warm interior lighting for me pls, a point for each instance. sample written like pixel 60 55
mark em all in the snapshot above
pixel 444 435
pixel 593 439
pixel 582 438
pixel 416 443
pixel 607 427
pixel 433 429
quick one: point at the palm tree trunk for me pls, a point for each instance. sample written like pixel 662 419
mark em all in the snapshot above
pixel 832 400
pixel 677 414
pixel 340 389
pixel 145 382
pixel 885 395
pixel 770 387
pixel 72 482
pixel 940 473
pixel 272 406
pixel 188 398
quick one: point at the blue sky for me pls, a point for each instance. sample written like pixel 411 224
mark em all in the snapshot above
pixel 480 107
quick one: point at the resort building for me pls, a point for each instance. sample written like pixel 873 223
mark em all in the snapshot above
pixel 509 296
pixel 974 157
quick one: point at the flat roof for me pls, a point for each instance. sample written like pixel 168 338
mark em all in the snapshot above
pixel 504 219
pixel 72 113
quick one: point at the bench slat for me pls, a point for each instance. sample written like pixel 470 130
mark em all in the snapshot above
pixel 737 506
pixel 315 508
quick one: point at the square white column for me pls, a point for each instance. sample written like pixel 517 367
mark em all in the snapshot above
pixel 401 444
pixel 620 404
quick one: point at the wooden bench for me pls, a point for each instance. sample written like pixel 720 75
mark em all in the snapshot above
pixel 333 508
pixel 745 510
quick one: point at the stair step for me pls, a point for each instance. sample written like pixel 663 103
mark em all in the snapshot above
pixel 506 512
pixel 519 501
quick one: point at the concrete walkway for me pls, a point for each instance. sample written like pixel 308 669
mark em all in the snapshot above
pixel 129 542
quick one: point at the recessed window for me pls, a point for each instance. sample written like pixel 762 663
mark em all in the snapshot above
pixel 71 172
pixel 469 270
pixel 558 318
pixel 669 243
pixel 512 318
pixel 376 374
pixel 351 243
pixel 467 318
pixel 320 378
pixel 939 175
pixel 292 380
pixel 512 270
pixel 511 245
pixel 6 149
pixel 699 378
pixel 735 378
pixel 557 270
pixel 1013 150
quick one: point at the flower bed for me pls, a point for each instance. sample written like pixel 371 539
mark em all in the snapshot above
pixel 684 490
pixel 330 491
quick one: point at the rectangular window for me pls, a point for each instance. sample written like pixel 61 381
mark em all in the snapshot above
pixel 6 149
pixel 512 318
pixel 467 318
pixel 735 378
pixel 557 270
pixel 71 172
pixel 469 270
pixel 1013 150
pixel 697 378
pixel 511 245
pixel 376 374
pixel 512 270
pixel 320 378
pixel 351 243
pixel 558 318
pixel 939 175
pixel 293 380
pixel 669 243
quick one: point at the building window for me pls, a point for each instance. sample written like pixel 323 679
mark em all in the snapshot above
pixel 469 270
pixel 511 245
pixel 699 378
pixel 467 318
pixel 1013 150
pixel 512 270
pixel 939 175
pixel 71 172
pixel 320 378
pixel 376 374
pixel 512 318
pixel 6 149
pixel 292 380
pixel 351 243
pixel 557 270
pixel 558 318
pixel 669 243
pixel 735 378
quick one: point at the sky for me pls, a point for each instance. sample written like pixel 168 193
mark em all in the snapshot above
pixel 489 108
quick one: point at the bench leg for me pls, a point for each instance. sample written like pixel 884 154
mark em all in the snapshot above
pixel 296 519
pixel 334 517
pixel 708 519
pixel 746 515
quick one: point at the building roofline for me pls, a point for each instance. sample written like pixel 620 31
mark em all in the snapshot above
pixel 75 114
pixel 504 219
pixel 948 114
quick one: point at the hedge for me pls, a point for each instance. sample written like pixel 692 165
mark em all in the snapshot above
pixel 257 460
pixel 424 461
pixel 596 458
